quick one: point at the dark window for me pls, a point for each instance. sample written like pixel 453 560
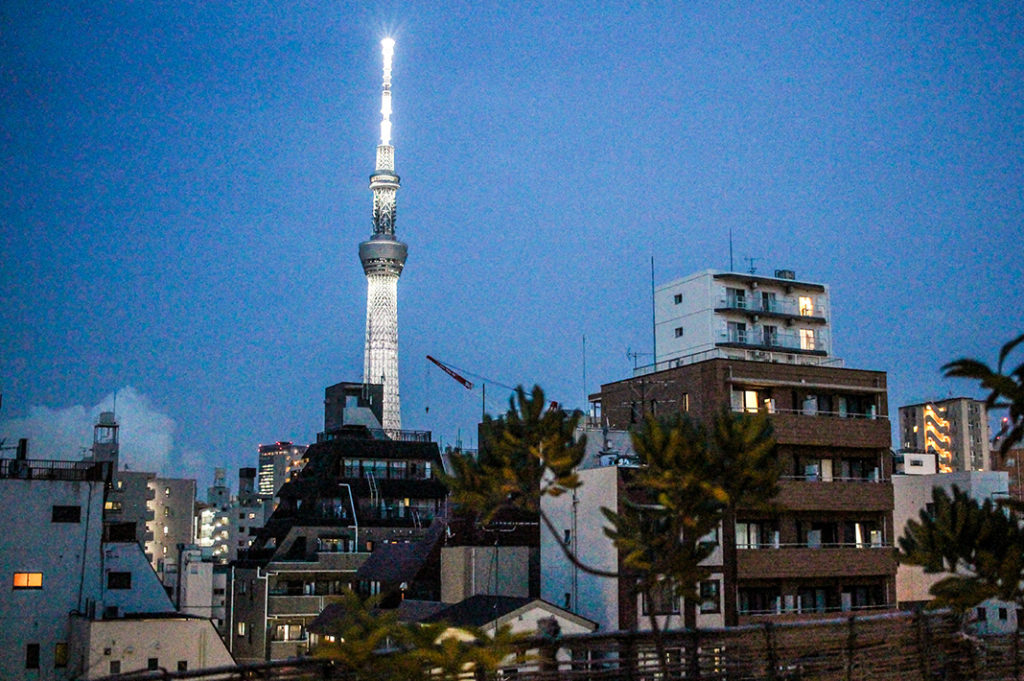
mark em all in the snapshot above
pixel 982 615
pixel 115 666
pixel 1003 614
pixel 66 514
pixel 32 656
pixel 60 655
pixel 678 332
pixel 709 598
pixel 677 298
pixel 119 580
pixel 663 601
pixel 182 665
pixel 153 663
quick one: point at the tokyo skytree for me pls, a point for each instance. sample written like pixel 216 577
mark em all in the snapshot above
pixel 383 258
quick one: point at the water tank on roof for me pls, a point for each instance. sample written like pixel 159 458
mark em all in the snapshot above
pixel 785 274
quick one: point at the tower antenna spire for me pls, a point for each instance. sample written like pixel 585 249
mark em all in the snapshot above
pixel 383 258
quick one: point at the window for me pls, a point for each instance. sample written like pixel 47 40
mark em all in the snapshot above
pixel 167 491
pixel 567 538
pixel 807 340
pixel 28 580
pixel 167 511
pixel 66 514
pixel 736 332
pixel 182 665
pixel 678 332
pixel 736 297
pixel 806 306
pixel 119 580
pixel 677 298
pixel 770 335
pixel 153 663
pixel 663 601
pixel 115 666
pixel 32 656
pixel 112 505
pixel 768 301
pixel 241 628
pixel 684 403
pixel 982 615
pixel 60 655
pixel 709 596
pixel 1003 614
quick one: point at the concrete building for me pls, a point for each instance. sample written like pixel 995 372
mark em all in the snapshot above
pixel 913 494
pixel 956 430
pixel 741 316
pixel 276 464
pixel 604 471
pixel 831 547
pixel 172 525
pixel 69 588
pixel 361 489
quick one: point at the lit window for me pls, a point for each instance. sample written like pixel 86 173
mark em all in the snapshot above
pixel 28 580
pixel 241 627
pixel 807 339
pixel 167 491
pixel 806 306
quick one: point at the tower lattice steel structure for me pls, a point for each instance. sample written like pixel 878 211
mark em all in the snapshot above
pixel 383 257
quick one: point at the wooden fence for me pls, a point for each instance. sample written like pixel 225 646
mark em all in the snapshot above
pixel 889 647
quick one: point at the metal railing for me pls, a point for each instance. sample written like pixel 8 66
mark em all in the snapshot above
pixel 41 469
pixel 772 306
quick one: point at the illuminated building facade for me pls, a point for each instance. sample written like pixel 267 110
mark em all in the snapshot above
pixel 955 430
pixel 737 315
pixel 276 464
pixel 383 258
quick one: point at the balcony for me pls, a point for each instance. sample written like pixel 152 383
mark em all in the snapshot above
pixel 785 308
pixel 280 605
pixel 777 341
pixel 803 562
pixel 831 429
pixel 804 494
pixel 280 650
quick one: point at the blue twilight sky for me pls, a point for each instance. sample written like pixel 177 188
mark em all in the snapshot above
pixel 184 186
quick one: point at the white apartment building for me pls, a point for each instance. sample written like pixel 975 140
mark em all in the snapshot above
pixel 578 518
pixel 913 494
pixel 956 430
pixel 78 607
pixel 744 316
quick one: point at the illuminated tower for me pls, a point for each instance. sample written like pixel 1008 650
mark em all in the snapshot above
pixel 383 258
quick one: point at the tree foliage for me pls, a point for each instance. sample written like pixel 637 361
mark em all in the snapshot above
pixel 689 476
pixel 528 452
pixel 1005 390
pixel 980 545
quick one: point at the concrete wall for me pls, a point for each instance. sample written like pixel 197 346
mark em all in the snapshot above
pixel 493 570
pixel 66 555
pixel 176 643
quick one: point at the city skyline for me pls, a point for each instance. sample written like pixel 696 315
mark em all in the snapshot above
pixel 185 188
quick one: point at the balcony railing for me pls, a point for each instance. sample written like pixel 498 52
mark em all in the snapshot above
pixel 777 355
pixel 777 340
pixel 869 416
pixel 777 306
pixel 68 471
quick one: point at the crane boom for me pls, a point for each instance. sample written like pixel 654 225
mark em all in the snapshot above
pixel 467 384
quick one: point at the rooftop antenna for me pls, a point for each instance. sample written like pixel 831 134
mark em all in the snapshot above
pixel 731 268
pixel 751 260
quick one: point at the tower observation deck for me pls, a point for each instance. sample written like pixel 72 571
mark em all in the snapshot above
pixel 383 257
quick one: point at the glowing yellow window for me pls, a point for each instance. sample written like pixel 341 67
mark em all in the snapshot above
pixel 28 580
pixel 806 306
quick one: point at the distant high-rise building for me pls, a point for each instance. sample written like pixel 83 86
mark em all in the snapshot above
pixel 955 430
pixel 383 258
pixel 276 463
